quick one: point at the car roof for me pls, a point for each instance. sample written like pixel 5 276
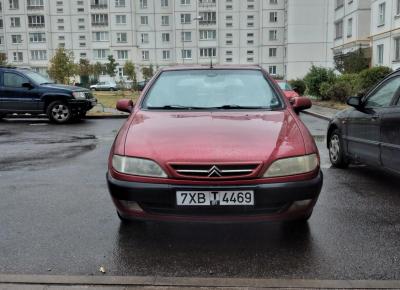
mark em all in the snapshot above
pixel 207 67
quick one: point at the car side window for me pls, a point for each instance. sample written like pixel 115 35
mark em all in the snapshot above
pixel 13 80
pixel 384 95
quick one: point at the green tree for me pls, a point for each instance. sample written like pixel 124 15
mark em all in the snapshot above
pixel 352 62
pixel 84 70
pixel 3 59
pixel 62 66
pixel 97 70
pixel 148 72
pixel 315 77
pixel 111 66
pixel 130 72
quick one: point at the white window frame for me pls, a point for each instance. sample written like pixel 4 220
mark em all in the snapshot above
pixel 381 14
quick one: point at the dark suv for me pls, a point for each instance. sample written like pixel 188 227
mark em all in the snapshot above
pixel 25 91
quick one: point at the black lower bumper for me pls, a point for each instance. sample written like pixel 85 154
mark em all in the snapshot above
pixel 82 105
pixel 268 198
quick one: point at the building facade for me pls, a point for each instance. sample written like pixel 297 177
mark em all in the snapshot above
pixel 385 33
pixel 276 34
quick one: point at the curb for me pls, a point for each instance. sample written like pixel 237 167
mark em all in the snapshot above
pixel 317 115
pixel 157 281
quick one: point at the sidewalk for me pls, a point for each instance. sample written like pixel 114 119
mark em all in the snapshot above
pixel 321 112
pixel 57 282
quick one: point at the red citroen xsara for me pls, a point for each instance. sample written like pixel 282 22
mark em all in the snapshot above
pixel 214 144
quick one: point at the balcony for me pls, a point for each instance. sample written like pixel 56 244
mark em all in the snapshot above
pixel 35 7
pixel 98 6
pixel 208 22
pixel 36 25
pixel 102 23
pixel 207 4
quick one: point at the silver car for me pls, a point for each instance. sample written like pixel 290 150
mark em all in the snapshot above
pixel 104 86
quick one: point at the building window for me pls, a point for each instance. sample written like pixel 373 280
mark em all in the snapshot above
pixel 397 49
pixel 16 38
pixel 14 4
pixel 143 4
pixel 61 37
pixel 273 2
pixel 272 52
pixel 186 36
pixel 208 52
pixel 122 37
pixel 81 9
pixel 397 7
pixel 166 55
pixel 229 59
pixel 35 4
pixel 100 53
pixel 350 27
pixel 37 37
pixel 82 37
pixel 144 38
pixel 99 19
pixel 145 55
pixel 273 17
pixel 339 29
pixel 185 2
pixel 185 18
pixel 164 3
pixel 98 4
pixel 120 19
pixel 165 37
pixel 229 42
pixel 272 69
pixel 82 55
pixel 273 35
pixel 208 34
pixel 60 10
pixel 339 3
pixel 82 44
pixel 122 54
pixel 144 20
pixel 380 50
pixel 38 55
pixel 18 56
pixel 36 21
pixel 164 20
pixel 15 22
pixel 208 18
pixel 120 3
pixel 381 15
pixel 186 53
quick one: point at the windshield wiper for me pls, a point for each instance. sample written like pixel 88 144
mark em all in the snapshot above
pixel 174 107
pixel 227 107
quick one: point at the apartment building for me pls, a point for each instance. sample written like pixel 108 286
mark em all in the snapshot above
pixel 385 33
pixel 276 34
pixel 352 23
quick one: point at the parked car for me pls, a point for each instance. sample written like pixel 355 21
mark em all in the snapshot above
pixel 368 132
pixel 25 91
pixel 213 144
pixel 287 89
pixel 104 86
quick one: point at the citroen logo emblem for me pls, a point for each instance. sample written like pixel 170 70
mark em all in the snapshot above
pixel 214 172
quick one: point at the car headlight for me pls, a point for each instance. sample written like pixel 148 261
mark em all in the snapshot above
pixel 79 95
pixel 292 166
pixel 137 166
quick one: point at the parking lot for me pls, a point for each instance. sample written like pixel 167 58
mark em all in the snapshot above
pixel 56 217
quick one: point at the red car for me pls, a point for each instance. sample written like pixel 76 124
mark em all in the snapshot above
pixel 287 89
pixel 214 144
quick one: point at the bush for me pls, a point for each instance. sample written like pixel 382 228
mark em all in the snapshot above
pixel 368 78
pixel 299 86
pixel 343 87
pixel 315 77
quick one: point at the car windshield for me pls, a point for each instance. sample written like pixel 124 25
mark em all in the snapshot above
pixel 285 86
pixel 212 89
pixel 38 78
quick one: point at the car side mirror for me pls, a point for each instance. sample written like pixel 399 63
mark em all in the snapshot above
pixel 300 103
pixel 354 102
pixel 27 86
pixel 125 105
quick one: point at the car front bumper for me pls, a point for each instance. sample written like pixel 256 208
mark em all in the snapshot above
pixel 85 105
pixel 274 201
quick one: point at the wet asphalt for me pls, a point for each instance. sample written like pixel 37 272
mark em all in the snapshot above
pixel 56 217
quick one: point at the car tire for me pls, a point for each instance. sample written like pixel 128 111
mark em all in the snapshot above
pixel 336 152
pixel 59 112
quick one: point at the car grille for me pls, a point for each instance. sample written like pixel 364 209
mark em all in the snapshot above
pixel 219 171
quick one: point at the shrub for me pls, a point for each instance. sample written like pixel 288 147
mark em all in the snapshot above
pixel 315 77
pixel 299 86
pixel 368 78
pixel 343 87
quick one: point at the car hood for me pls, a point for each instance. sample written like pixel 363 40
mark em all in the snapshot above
pixel 214 136
pixel 64 87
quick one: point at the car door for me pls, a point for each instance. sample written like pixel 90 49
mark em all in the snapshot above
pixel 16 97
pixel 364 125
pixel 390 133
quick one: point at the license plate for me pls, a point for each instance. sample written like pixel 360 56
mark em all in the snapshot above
pixel 214 198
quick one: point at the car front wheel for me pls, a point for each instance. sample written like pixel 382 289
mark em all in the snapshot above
pixel 59 112
pixel 336 152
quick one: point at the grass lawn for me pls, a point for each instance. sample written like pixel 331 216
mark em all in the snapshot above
pixel 109 99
